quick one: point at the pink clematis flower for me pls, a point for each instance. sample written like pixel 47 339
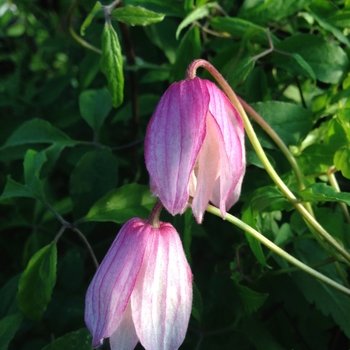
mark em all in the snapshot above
pixel 194 147
pixel 142 290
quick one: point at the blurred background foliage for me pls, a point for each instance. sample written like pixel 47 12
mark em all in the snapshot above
pixel 72 168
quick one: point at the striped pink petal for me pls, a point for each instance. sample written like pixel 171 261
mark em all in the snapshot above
pixel 232 150
pixel 162 299
pixel 124 337
pixel 195 147
pixel 142 290
pixel 173 139
pixel 109 292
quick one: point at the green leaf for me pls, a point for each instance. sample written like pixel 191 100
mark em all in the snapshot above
pixel 333 222
pixel 14 189
pixel 238 71
pixel 320 192
pixel 256 86
pixel 327 60
pixel 249 218
pixel 342 161
pixel 94 107
pixel 8 305
pixel 188 50
pixel 172 8
pixel 122 204
pixel 8 328
pixel 195 15
pixel 264 199
pixel 33 244
pixel 94 176
pixel 329 27
pixel 51 154
pixel 267 199
pixel 328 300
pixel 162 35
pixel 260 334
pixel 274 10
pixel 112 64
pixel 251 300
pixel 284 235
pixel 238 27
pixel 340 18
pixel 33 165
pixel 136 15
pixel 90 17
pixel 303 66
pixel 37 282
pixel 291 122
pixel 37 131
pixel 33 162
pixel 80 339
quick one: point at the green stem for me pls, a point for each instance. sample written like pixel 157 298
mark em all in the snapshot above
pixel 273 247
pixel 299 177
pixel 72 32
pixel 191 73
pixel 59 234
pixel 334 183
pixel 88 246
pixel 290 158
pixel 285 150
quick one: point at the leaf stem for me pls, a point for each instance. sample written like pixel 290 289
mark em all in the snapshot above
pixel 72 32
pixel 65 225
pixel 88 246
pixel 274 136
pixel 273 247
pixel 59 234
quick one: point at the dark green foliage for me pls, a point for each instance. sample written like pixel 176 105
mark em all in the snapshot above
pixel 73 119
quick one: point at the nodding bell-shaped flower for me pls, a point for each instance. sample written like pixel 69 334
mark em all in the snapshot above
pixel 142 290
pixel 194 147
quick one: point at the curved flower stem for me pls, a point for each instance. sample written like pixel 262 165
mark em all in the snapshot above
pixel 267 128
pixel 266 242
pixel 299 177
pixel 191 73
pixel 282 146
pixel 334 184
pixel 154 215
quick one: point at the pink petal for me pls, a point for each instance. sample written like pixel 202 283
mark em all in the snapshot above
pixel 208 169
pixel 162 299
pixel 174 137
pixel 109 292
pixel 227 187
pixel 125 337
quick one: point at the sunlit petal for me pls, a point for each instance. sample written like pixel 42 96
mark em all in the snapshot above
pixel 174 137
pixel 125 337
pixel 162 299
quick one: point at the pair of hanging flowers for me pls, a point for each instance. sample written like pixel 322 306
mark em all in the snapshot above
pixel 194 152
